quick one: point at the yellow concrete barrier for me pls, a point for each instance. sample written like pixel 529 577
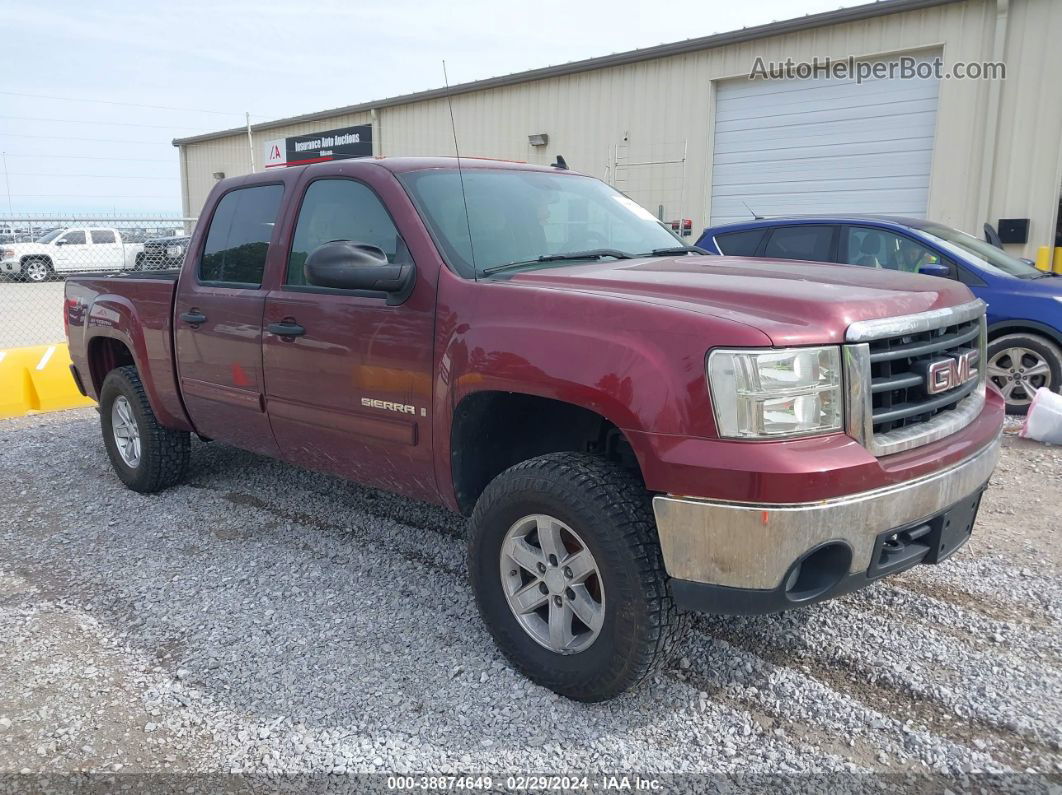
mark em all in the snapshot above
pixel 1043 258
pixel 37 379
pixel 1058 260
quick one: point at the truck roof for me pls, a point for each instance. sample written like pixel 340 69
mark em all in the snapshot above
pixel 400 165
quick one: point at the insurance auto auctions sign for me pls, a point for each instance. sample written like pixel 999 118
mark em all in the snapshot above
pixel 341 144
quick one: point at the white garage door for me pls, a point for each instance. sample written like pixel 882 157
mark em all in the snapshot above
pixel 821 145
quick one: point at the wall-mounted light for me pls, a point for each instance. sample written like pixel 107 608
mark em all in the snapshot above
pixel 219 175
pixel 538 139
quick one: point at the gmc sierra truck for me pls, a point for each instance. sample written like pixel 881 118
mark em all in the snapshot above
pixel 636 431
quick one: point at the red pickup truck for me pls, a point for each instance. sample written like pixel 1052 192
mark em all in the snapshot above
pixel 636 430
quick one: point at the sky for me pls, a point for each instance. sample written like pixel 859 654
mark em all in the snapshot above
pixel 91 95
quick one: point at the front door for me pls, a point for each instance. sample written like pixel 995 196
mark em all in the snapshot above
pixel 348 376
pixel 72 252
pixel 218 321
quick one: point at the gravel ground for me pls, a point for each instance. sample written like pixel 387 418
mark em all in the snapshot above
pixel 263 618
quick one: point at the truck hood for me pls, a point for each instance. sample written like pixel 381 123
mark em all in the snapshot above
pixel 794 303
pixel 22 249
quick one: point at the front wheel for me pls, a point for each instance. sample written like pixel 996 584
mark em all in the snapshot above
pixel 36 270
pixel 1019 364
pixel 146 456
pixel 568 575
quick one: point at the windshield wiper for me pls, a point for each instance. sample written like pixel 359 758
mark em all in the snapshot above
pixel 674 251
pixel 594 253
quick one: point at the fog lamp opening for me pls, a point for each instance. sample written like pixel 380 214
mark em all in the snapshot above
pixel 817 571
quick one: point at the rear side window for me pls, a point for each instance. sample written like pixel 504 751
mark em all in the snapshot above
pixel 740 244
pixel 238 239
pixel 812 242
pixel 102 236
pixel 341 209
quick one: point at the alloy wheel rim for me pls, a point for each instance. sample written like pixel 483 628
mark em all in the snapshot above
pixel 126 432
pixel 552 584
pixel 1019 372
pixel 37 272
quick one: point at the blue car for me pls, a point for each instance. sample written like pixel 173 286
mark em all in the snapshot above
pixel 1024 304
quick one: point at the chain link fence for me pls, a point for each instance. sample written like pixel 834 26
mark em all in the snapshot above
pixel 37 253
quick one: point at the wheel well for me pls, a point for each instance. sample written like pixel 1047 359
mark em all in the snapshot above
pixel 36 258
pixel 492 431
pixel 106 354
pixel 1032 331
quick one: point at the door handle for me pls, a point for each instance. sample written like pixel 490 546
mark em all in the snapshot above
pixel 194 317
pixel 286 329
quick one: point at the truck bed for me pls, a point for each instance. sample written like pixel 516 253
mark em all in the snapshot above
pixel 135 310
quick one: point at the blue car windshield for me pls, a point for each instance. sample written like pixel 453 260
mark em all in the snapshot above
pixel 984 255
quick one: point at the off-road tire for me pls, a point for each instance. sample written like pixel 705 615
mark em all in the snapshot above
pixel 164 452
pixel 1046 349
pixel 612 513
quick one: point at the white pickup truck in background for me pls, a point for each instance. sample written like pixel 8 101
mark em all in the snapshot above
pixel 68 250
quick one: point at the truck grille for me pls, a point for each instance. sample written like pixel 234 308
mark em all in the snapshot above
pixel 915 379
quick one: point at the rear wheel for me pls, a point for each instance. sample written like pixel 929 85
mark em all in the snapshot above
pixel 146 456
pixel 1019 364
pixel 567 571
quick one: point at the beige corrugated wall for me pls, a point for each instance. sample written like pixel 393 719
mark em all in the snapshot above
pixel 652 108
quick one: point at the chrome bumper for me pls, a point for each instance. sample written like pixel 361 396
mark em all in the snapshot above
pixel 752 546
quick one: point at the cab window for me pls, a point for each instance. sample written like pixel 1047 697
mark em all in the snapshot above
pixel 102 236
pixel 75 238
pixel 341 209
pixel 740 244
pixel 809 242
pixel 238 239
pixel 880 248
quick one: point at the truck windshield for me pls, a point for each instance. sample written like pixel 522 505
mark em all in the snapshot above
pixel 521 216
pixel 48 238
pixel 985 255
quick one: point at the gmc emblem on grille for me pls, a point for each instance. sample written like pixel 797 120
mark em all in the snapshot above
pixel 952 372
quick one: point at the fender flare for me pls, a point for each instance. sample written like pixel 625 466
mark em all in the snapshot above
pixel 115 317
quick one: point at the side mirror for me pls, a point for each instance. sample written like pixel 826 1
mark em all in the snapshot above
pixel 60 242
pixel 935 269
pixel 992 236
pixel 348 265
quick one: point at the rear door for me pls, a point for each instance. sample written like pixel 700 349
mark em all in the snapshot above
pixel 218 320
pixel 107 252
pixel 348 375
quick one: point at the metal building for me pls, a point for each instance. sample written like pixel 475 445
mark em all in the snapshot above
pixel 683 129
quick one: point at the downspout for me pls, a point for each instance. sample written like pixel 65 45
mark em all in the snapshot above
pixel 377 144
pixel 995 89
pixel 186 200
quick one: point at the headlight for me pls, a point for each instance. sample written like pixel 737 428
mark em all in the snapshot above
pixel 767 393
pixel 7 253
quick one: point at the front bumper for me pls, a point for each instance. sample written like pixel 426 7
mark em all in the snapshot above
pixel 737 557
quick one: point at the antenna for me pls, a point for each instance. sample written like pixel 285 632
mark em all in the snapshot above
pixel 751 212
pixel 460 173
